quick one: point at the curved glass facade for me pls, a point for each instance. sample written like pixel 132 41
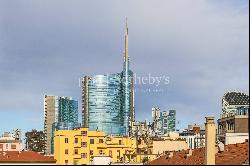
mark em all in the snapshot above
pixel 105 103
pixel 108 109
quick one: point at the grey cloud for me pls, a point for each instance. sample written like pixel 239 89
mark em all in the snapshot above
pixel 45 46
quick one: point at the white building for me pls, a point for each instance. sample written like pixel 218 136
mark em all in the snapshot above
pixel 234 138
pixel 101 160
pixel 194 136
pixel 11 141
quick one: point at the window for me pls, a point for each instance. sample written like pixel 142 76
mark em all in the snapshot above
pixel 91 152
pixel 76 140
pixel 66 162
pixel 66 140
pixel 76 151
pixel 66 151
pixel 83 155
pixel 84 144
pixel 92 141
pixel 101 152
pixel 1 146
pixel 110 153
pixel 120 142
pixel 118 153
pixel 84 133
pixel 100 141
pixel 13 146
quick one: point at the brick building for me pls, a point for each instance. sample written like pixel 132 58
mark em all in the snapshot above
pixel 233 124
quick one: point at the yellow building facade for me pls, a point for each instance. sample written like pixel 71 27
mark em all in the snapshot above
pixel 79 146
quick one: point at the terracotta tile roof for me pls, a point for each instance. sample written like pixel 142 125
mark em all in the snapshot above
pixel 25 156
pixel 233 154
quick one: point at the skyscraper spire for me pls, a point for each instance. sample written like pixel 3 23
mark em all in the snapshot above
pixel 121 103
pixel 126 44
pixel 126 86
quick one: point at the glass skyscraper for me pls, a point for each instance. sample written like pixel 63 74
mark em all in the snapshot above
pixel 108 100
pixel 68 110
pixel 59 113
pixel 171 120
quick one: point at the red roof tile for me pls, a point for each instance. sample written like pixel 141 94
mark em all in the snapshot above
pixel 24 156
pixel 233 154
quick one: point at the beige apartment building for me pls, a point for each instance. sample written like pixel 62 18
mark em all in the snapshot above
pixel 50 114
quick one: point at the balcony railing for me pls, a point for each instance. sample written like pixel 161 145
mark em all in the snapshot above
pixel 233 115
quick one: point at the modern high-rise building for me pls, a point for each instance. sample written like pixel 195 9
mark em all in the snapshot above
pixel 108 100
pixel 59 113
pixel 157 121
pixel 163 122
pixel 168 121
pixel 139 129
pixel 156 113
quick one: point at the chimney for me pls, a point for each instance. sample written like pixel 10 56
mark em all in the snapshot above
pixel 210 141
pixel 171 154
pixel 190 152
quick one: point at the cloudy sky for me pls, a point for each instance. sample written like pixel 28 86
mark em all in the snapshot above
pixel 45 46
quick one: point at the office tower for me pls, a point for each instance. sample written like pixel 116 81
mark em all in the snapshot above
pixel 139 129
pixel 233 122
pixel 168 119
pixel 108 100
pixel 157 121
pixel 163 122
pixel 156 113
pixel 171 123
pixel 59 112
pixel 35 141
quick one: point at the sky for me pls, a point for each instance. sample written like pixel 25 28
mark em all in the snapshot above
pixel 202 46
